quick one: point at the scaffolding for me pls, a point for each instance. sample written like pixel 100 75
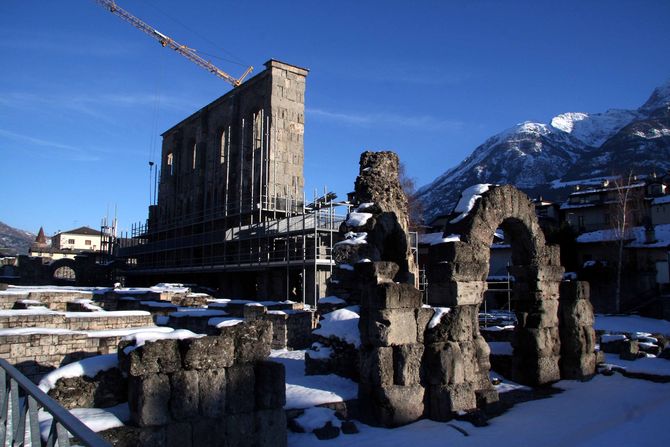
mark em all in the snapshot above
pixel 288 234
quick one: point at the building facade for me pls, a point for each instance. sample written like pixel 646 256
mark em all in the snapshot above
pixel 231 211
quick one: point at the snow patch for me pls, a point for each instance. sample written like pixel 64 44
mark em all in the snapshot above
pixel 87 367
pixel 341 324
pixel 468 199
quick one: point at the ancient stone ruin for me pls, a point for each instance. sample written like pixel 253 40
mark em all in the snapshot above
pixel 419 361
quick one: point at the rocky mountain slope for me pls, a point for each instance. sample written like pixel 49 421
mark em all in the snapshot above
pixel 536 157
pixel 13 240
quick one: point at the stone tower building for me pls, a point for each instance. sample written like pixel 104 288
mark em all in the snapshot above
pixel 242 155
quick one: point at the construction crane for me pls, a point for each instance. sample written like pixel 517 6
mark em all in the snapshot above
pixel 166 41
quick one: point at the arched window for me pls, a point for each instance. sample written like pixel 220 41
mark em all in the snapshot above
pixel 170 163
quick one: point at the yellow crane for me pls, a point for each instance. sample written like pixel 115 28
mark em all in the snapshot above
pixel 166 41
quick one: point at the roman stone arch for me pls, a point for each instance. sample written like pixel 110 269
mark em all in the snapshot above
pixel 57 268
pixel 458 271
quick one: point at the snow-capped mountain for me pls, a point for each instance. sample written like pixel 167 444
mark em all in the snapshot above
pixel 574 145
pixel 13 240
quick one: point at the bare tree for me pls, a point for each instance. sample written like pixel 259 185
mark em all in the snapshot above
pixel 624 208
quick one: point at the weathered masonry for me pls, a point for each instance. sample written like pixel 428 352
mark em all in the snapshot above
pixel 230 197
pixel 418 361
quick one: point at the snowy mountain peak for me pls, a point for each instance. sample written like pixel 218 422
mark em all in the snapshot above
pixel 659 98
pixel 593 129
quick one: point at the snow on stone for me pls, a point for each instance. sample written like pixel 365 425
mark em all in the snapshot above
pixel 125 332
pixel 220 322
pixel 97 419
pixel 308 391
pixel 468 199
pixel 645 365
pixel 437 316
pixel 319 351
pixel 199 313
pixel 631 323
pixel 88 304
pixel 346 267
pixel 608 338
pixel 331 300
pixel 341 324
pixel 141 338
pixel 157 303
pixel 107 314
pixel 352 238
pixel 437 238
pixel 317 417
pixel 358 219
pixel 35 331
pixel 88 367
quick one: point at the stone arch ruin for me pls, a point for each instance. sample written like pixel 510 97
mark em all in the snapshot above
pixel 63 270
pixel 417 361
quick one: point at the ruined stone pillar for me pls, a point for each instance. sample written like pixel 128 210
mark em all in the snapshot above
pixel 578 338
pixel 390 391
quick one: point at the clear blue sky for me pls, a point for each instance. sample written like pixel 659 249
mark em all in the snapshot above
pixel 84 96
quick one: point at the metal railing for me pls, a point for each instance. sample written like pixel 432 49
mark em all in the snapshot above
pixel 20 401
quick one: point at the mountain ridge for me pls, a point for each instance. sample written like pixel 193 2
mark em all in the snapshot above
pixel 573 145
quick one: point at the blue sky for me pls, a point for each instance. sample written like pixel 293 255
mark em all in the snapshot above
pixel 84 96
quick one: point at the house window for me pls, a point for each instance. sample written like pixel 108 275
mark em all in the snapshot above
pixel 195 155
pixel 87 242
pixel 170 163
pixel 70 241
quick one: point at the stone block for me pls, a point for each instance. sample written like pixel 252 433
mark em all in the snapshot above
pixel 456 293
pixel 149 436
pixel 457 252
pixel 185 395
pixel 391 295
pixel 270 428
pixel 376 272
pixel 148 399
pixel 530 273
pixel 574 290
pixel 212 352
pixel 391 406
pixel 407 364
pixel 210 432
pixel 576 341
pixel 240 430
pixel 270 385
pixel 460 324
pixel 212 392
pixel 240 384
pixel 630 350
pixel 178 434
pixel 576 313
pixel 535 371
pixel 578 367
pixel 253 340
pixel 446 271
pixel 388 327
pixel 444 401
pixel 376 366
pixel 543 342
pixel 529 291
pixel 482 352
pixel 160 356
pixel 423 316
pixel 444 364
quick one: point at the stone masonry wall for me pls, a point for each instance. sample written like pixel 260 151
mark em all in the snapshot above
pixel 578 338
pixel 213 391
pixel 37 354
pixel 74 321
pixel 51 299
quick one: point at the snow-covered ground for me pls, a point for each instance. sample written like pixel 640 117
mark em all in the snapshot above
pixel 606 411
pixel 631 323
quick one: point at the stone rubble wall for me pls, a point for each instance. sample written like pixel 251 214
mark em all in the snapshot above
pixel 38 354
pixel 214 391
pixel 52 300
pixel 86 322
